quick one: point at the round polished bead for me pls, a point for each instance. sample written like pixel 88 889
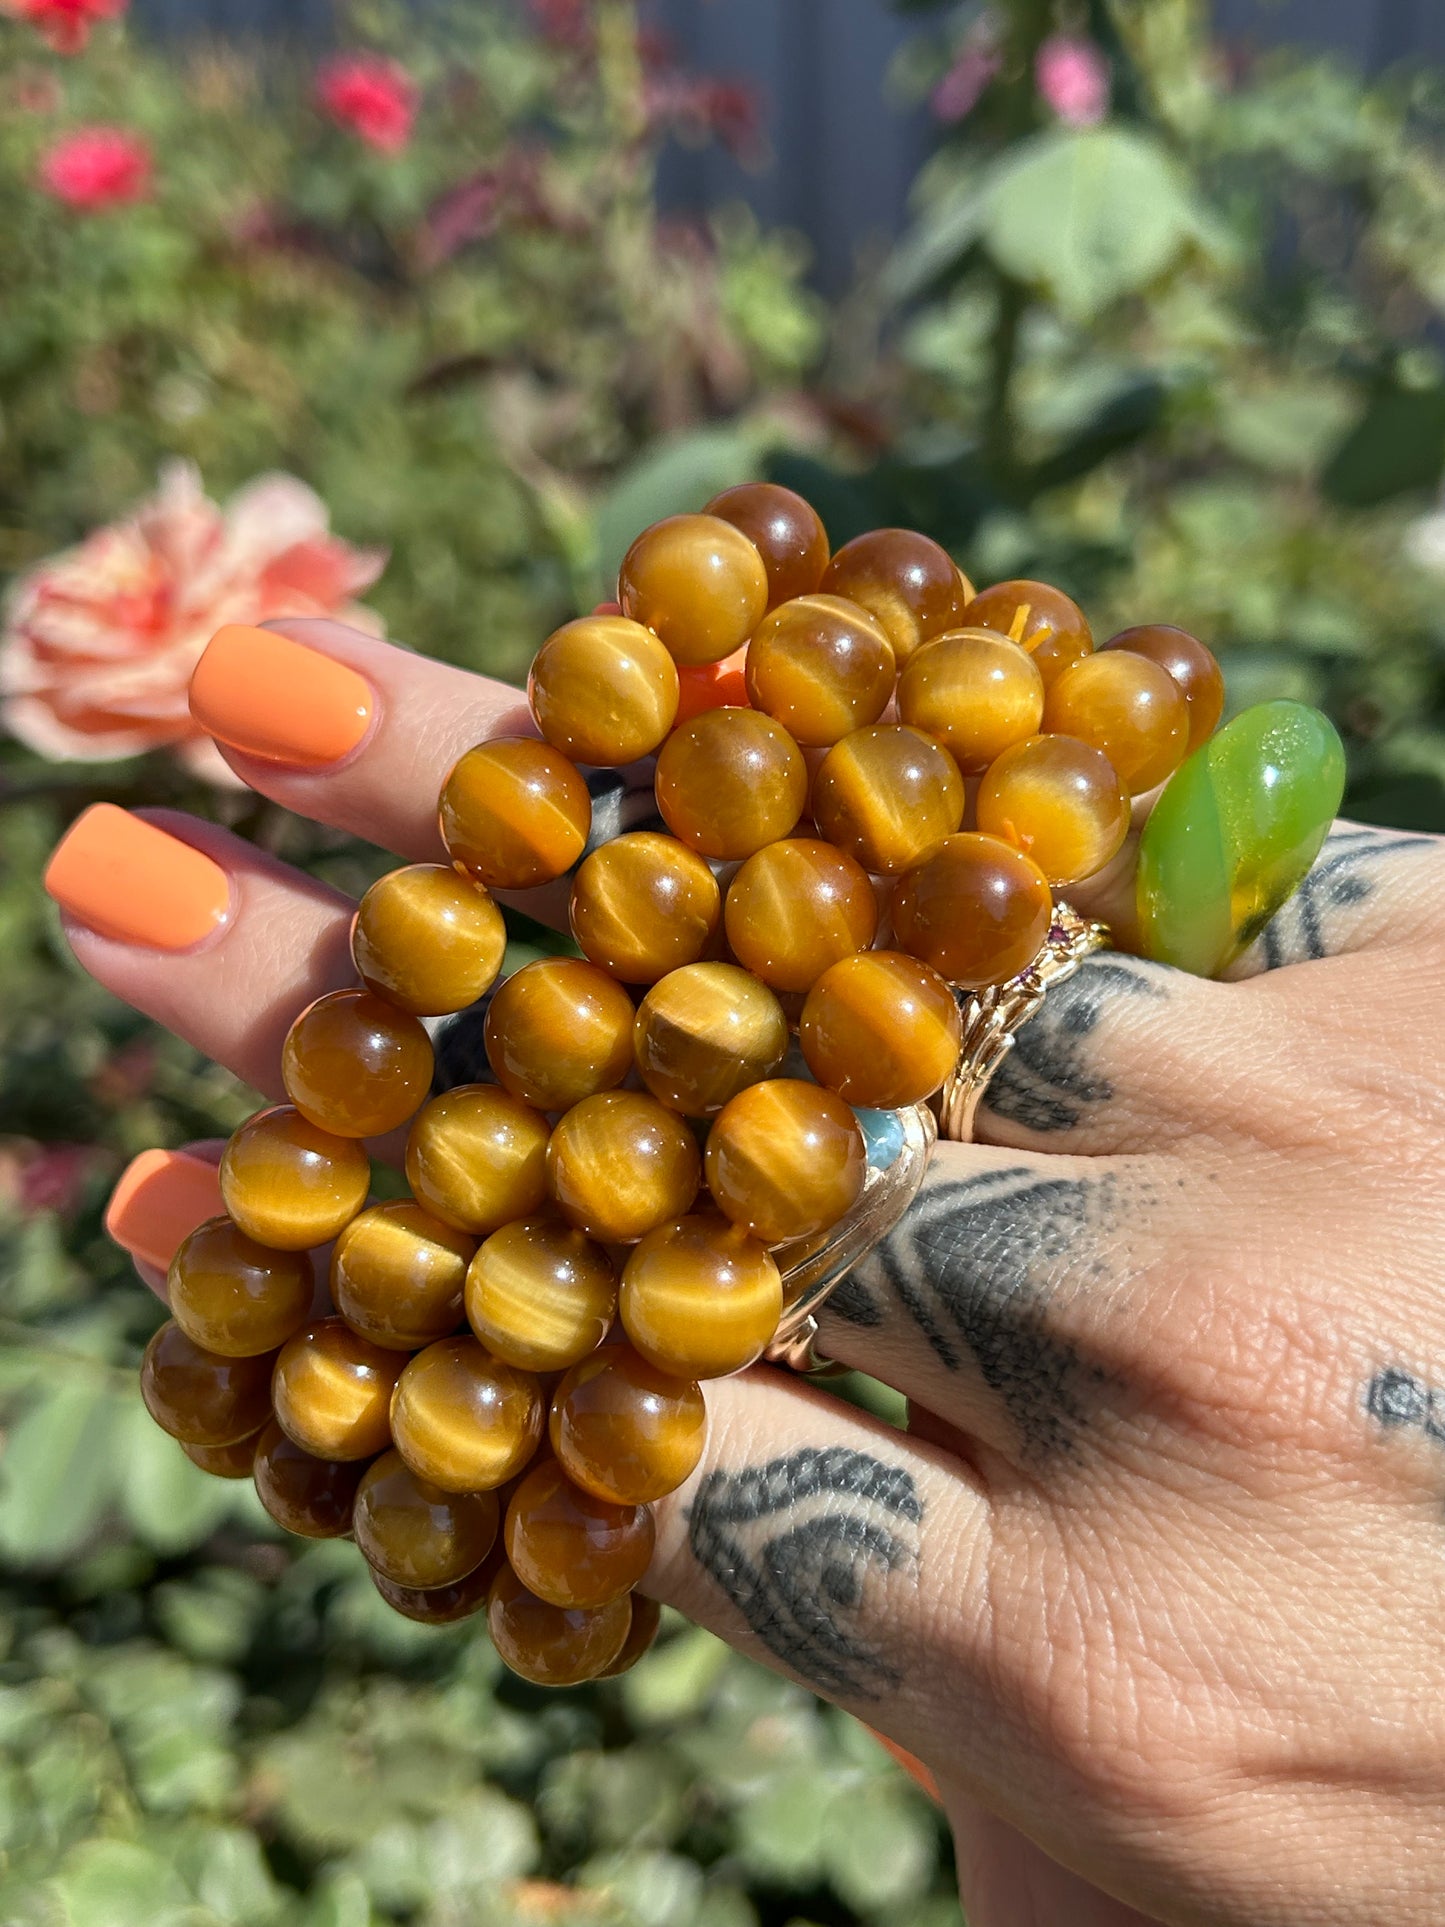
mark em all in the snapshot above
pixel 603 690
pixel 463 1419
pixel 224 1461
pixel 730 781
pixel 515 813
pixel 356 1065
pixel 785 531
pixel 571 1548
pixel 201 1397
pixel 881 1029
pixel 308 1496
pixel 397 1275
pixel 415 1534
pixel 1060 802
pixel 646 1618
pixel 820 666
pixel 705 1033
pixel 975 692
pixel 428 939
pixel 645 904
pixel 332 1391
pixel 888 795
pixel 698 583
pixel 553 1645
pixel 796 907
pixel 977 910
pixel 559 1030
pixel 476 1157
pixel 288 1183
pixel 907 581
pixel 442 1605
pixel 231 1295
pixel 1128 708
pixel 624 1430
pixel 620 1164
pixel 1191 665
pixel 541 1295
pixel 785 1159
pixel 700 1297
pixel 1038 617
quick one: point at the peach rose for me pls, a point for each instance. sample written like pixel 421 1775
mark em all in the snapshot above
pixel 98 643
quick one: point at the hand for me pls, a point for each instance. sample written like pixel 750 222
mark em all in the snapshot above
pixel 1153 1584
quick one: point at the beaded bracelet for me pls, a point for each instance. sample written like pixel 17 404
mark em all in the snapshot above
pixel 649 1191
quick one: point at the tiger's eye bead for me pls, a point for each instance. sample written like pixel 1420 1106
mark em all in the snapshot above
pixel 796 907
pixel 620 1164
pixel 224 1461
pixel 1127 707
pixel 1060 802
pixel 397 1276
pixel 1041 619
pixel 199 1397
pixel 908 582
pixel 572 1548
pixel 540 1295
pixel 428 939
pixel 730 781
pixel 231 1295
pixel 415 1534
pixel 441 1605
pixel 976 910
pixel 706 1032
pixel 476 1157
pixel 515 813
pixel 356 1065
pixel 888 796
pixel 646 1618
pixel 820 666
pixel 463 1419
pixel 559 1030
pixel 603 690
pixel 975 692
pixel 698 583
pixel 785 531
pixel 700 1297
pixel 308 1496
pixel 881 1029
pixel 553 1645
pixel 289 1184
pixel 644 904
pixel 332 1391
pixel 785 1159
pixel 624 1430
pixel 1191 665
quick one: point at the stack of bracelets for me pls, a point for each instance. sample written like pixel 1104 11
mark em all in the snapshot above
pixel 870 780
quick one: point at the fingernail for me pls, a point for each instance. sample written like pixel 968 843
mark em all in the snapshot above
pixel 161 1198
pixel 124 878
pixel 271 697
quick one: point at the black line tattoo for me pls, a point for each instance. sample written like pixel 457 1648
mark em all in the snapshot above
pixel 1398 1400
pixel 975 1264
pixel 1048 1081
pixel 795 1543
pixel 1346 873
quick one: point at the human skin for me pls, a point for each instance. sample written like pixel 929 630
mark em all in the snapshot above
pixel 1155 1585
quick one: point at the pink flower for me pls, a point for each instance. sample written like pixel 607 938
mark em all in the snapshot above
pixel 962 87
pixel 98 643
pixel 1073 79
pixel 97 167
pixel 66 24
pixel 36 1178
pixel 375 97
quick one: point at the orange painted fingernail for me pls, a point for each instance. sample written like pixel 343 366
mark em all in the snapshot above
pixel 124 878
pixel 161 1198
pixel 274 698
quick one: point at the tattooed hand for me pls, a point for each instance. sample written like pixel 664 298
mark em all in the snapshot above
pixel 1156 1583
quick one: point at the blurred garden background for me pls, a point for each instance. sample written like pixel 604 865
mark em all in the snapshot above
pixel 428 309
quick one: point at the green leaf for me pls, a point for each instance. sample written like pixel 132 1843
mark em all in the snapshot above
pixel 879 1848
pixel 58 1471
pixel 112 1883
pixel 1396 448
pixel 171 1503
pixel 227 1871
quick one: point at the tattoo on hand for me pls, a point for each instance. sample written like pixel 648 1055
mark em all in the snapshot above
pixel 798 1543
pixel 1399 1401
pixel 1047 1081
pixel 1349 870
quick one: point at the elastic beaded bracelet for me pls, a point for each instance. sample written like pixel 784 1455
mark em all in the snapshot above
pixel 662 1186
